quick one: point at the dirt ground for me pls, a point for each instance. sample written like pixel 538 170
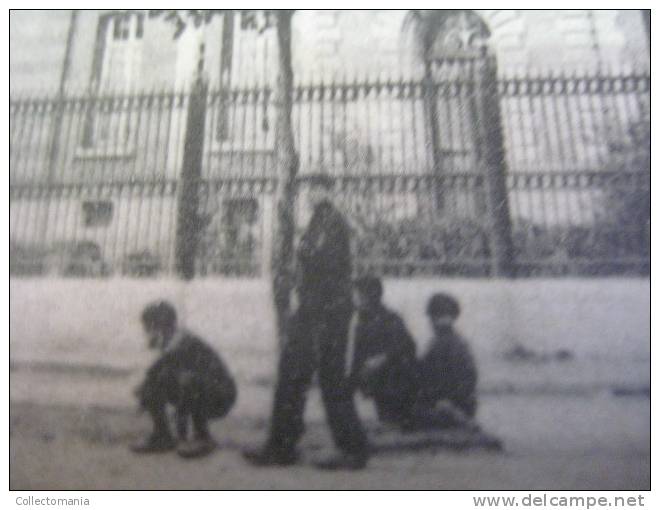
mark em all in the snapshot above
pixel 63 437
pixel 77 351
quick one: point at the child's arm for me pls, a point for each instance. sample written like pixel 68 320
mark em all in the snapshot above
pixel 400 345
pixel 152 377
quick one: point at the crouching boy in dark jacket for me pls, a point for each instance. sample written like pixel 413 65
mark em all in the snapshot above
pixel 189 375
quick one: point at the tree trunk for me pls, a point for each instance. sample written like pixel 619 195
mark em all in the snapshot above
pixel 282 268
pixel 188 221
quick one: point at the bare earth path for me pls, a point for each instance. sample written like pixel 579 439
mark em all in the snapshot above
pixel 63 437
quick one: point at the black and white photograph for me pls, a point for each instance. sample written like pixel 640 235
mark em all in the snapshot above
pixel 330 250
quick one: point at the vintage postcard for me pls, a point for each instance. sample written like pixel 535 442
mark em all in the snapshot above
pixel 262 249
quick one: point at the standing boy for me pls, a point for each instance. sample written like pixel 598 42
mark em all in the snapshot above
pixel 317 342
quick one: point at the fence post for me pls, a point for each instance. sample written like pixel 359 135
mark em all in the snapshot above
pixel 56 132
pixel 431 106
pixel 188 220
pixel 493 163
pixel 646 21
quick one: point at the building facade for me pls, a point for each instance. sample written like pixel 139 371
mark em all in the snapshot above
pixel 101 110
pixel 131 51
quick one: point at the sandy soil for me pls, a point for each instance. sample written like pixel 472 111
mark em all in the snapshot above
pixel 61 439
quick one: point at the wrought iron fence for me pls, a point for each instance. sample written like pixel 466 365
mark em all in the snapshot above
pixel 96 181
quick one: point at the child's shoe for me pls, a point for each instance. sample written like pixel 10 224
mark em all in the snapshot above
pixel 154 443
pixel 195 448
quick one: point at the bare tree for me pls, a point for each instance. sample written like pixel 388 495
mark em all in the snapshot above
pixel 282 271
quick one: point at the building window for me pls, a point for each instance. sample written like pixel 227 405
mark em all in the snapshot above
pixel 122 54
pixel 128 26
pixel 115 71
pixel 121 28
pixel 97 214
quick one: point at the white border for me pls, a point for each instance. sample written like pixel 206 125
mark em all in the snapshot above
pixel 312 500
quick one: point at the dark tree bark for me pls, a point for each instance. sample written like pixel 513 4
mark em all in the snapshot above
pixel 282 268
pixel 282 258
pixel 189 223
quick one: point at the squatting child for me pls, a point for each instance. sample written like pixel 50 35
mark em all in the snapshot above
pixel 190 376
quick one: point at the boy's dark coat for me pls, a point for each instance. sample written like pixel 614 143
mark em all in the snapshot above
pixel 190 359
pixel 448 372
pixel 383 332
pixel 317 337
pixel 324 260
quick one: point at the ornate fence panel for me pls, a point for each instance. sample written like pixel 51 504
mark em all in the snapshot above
pixel 578 150
pixel 95 180
pixel 93 183
pixel 375 138
pixel 577 158
pixel 237 183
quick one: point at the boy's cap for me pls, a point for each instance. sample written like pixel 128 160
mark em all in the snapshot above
pixel 443 304
pixel 371 286
pixel 160 313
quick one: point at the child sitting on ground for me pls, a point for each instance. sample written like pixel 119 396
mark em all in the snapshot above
pixel 189 375
pixel 383 361
pixel 447 372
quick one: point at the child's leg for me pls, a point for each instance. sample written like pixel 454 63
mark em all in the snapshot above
pixel 210 400
pixel 193 403
pixel 182 416
pixel 154 398
pixel 194 400
pixel 467 405
pixel 392 409
pixel 160 426
pixel 438 415
pixel 186 396
pixel 200 423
